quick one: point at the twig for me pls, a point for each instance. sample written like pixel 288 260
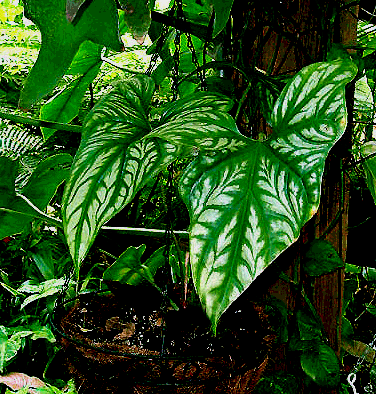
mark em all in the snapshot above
pixel 145 231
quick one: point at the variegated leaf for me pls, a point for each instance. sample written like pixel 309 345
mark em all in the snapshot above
pixel 201 122
pixel 112 163
pixel 247 206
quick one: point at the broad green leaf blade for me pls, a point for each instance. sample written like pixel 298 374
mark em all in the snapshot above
pixel 321 365
pixel 369 165
pixel 112 163
pixel 248 206
pixel 201 122
pixel 40 189
pixel 99 23
pixel 64 106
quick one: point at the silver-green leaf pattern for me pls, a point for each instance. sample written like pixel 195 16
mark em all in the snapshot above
pixel 247 206
pixel 201 122
pixel 112 163
pixel 115 159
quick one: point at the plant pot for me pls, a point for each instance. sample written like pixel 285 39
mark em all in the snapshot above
pixel 112 347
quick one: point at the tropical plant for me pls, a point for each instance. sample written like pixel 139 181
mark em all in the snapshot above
pixel 247 199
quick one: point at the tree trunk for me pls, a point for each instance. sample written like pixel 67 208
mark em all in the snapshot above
pixel 281 38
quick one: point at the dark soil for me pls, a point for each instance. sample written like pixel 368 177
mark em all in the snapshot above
pixel 137 343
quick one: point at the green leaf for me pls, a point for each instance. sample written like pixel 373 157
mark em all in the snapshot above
pixel 308 327
pixel 61 40
pixel 39 190
pixel 321 258
pixel 127 265
pixel 363 98
pixel 44 289
pixel 185 122
pixel 129 269
pixel 247 206
pixel 369 165
pixel 64 106
pixel 369 274
pixel 222 13
pixel 112 163
pixel 321 365
pixel 8 347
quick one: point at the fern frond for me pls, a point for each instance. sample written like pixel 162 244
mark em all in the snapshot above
pixel 15 142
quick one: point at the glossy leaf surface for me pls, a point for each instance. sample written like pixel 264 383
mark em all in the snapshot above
pixel 64 106
pixel 247 206
pixel 112 163
pixel 321 364
pixel 115 160
pixel 61 40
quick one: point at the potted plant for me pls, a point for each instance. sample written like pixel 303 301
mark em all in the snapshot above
pixel 247 199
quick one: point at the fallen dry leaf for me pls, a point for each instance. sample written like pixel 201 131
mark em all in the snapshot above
pixel 17 381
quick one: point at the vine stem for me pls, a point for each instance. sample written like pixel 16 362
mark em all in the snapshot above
pixel 39 122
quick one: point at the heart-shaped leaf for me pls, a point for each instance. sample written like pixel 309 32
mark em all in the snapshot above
pixel 321 364
pixel 112 163
pixel 128 268
pixel 115 160
pixel 61 40
pixel 248 206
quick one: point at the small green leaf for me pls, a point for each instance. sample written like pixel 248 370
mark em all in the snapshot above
pixel 129 269
pixel 369 274
pixel 126 265
pixel 308 327
pixel 61 40
pixel 369 165
pixel 321 258
pixel 321 365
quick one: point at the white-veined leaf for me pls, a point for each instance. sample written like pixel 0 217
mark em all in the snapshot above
pixel 200 121
pixel 247 206
pixel 112 162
